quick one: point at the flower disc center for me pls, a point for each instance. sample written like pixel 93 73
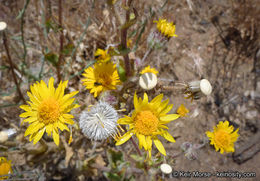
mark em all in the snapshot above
pixel 146 122
pixel 49 111
pixel 104 79
pixel 222 138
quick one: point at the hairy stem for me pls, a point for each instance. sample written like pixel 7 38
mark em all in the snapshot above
pixel 136 147
pixel 61 41
pixel 12 66
pixel 22 31
pixel 124 39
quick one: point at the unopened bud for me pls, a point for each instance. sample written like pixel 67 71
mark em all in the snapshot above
pixel 196 89
pixel 166 168
pixel 3 25
pixel 5 134
pixel 148 81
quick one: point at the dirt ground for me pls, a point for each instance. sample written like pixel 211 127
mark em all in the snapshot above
pixel 218 40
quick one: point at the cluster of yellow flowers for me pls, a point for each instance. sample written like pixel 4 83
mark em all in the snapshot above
pixel 49 109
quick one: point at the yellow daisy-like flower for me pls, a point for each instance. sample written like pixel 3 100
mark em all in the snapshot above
pixel 102 77
pixel 147 122
pixel 48 110
pixel 102 56
pixel 149 69
pixel 223 137
pixel 5 168
pixel 182 110
pixel 166 28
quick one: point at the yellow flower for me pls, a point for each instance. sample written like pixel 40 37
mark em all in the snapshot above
pixel 222 137
pixel 102 77
pixel 129 43
pixel 182 110
pixel 147 122
pixel 102 55
pixel 5 168
pixel 48 110
pixel 148 69
pixel 166 28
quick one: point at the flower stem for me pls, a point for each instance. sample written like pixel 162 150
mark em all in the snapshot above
pixel 136 147
pixel 61 42
pixel 12 67
pixel 22 31
pixel 146 54
pixel 124 39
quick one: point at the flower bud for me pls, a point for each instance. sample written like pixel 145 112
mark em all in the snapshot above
pixel 196 89
pixel 5 134
pixel 166 168
pixel 148 81
pixel 3 25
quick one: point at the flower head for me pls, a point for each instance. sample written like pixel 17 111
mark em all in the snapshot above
pixel 48 110
pixel 223 137
pixel 148 121
pixel 100 122
pixel 148 69
pixel 102 77
pixel 166 28
pixel 182 110
pixel 102 56
pixel 5 168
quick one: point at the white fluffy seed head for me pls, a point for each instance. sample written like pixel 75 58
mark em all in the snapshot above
pixel 100 122
pixel 148 81
pixel 3 25
pixel 166 168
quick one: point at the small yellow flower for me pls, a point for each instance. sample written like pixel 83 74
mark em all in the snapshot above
pixel 102 55
pixel 129 43
pixel 166 28
pixel 223 137
pixel 182 110
pixel 148 69
pixel 102 77
pixel 147 122
pixel 48 110
pixel 5 168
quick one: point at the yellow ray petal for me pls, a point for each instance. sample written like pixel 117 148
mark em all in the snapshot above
pixel 56 137
pixel 159 146
pixel 39 136
pixel 169 117
pixel 168 137
pixel 124 138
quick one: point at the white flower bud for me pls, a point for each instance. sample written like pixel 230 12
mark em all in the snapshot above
pixel 148 81
pixel 3 25
pixel 166 168
pixel 205 87
pixel 5 134
pixel 198 88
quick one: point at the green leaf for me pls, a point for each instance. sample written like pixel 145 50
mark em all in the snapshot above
pixel 137 157
pixel 122 73
pixel 113 176
pixel 114 157
pixel 67 50
pixel 4 67
pixel 52 58
pixel 51 25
